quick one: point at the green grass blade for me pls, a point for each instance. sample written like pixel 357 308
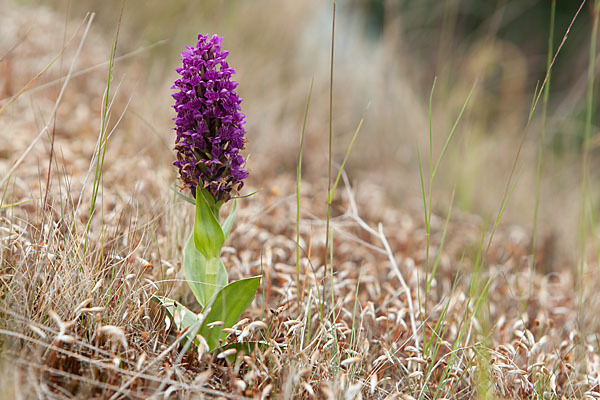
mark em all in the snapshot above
pixel 103 142
pixel 441 247
pixel 540 160
pixel 339 175
pixel 453 130
pixel 18 203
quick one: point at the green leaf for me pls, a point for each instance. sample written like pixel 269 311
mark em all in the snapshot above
pixel 204 276
pixel 190 200
pixel 182 317
pixel 228 306
pixel 229 221
pixel 208 234
pixel 244 196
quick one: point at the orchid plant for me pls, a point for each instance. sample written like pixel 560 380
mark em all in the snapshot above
pixel 210 134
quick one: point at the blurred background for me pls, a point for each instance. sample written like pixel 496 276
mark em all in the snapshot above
pixel 387 55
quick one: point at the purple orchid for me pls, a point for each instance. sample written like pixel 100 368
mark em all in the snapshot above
pixel 209 123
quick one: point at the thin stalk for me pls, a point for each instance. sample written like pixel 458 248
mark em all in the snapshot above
pixel 299 294
pixel 330 154
pixel 341 171
pixel 585 145
pixel 354 335
pixel 452 131
pixel 537 95
pixel 335 346
pixel 421 313
pixel 441 247
pixel 427 209
pixel 540 160
pixel 432 172
pixel 560 46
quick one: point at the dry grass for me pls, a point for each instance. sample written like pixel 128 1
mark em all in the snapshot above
pixel 81 324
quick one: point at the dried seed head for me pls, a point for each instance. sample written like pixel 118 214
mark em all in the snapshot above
pixel 114 332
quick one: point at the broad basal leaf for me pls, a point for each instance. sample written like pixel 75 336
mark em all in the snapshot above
pixel 228 306
pixel 181 317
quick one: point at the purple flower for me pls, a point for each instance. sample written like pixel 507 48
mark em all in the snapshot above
pixel 209 123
